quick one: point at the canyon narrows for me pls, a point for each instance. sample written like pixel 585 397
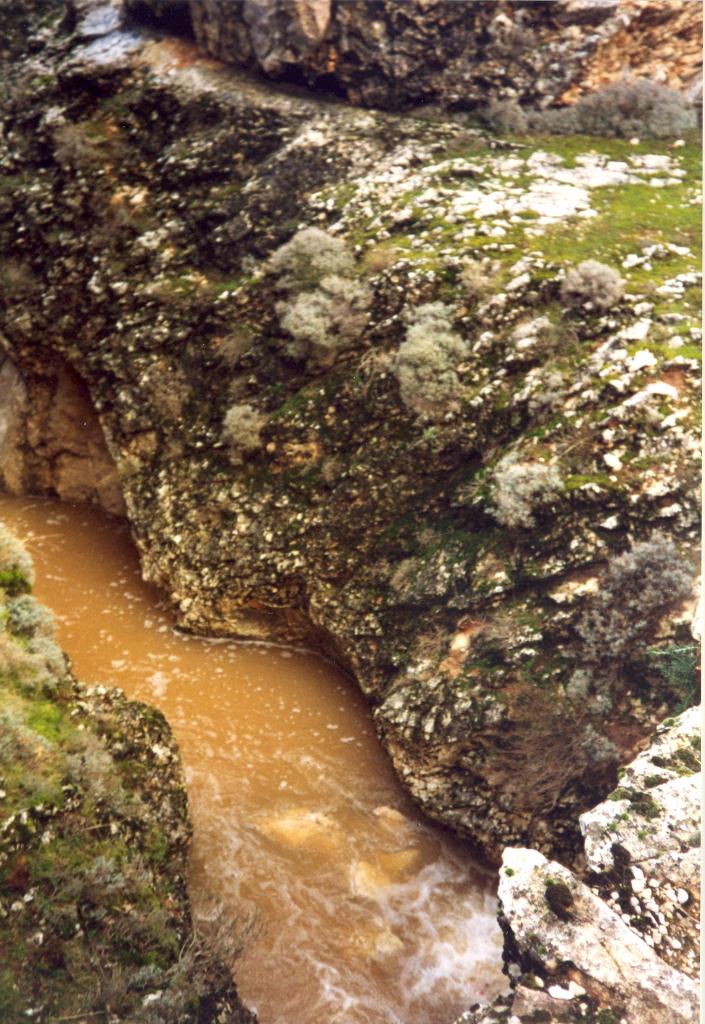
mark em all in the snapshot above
pixel 351 907
pixel 380 324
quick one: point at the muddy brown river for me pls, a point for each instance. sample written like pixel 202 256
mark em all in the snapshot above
pixel 353 909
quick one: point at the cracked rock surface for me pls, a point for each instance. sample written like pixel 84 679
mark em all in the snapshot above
pixel 451 55
pixel 621 942
pixel 143 193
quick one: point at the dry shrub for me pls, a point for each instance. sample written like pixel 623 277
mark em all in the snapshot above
pixel 551 745
pixel 474 279
pixel 73 149
pixel 594 283
pixel 380 257
pixel 242 430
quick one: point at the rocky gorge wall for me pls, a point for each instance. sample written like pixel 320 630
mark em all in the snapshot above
pixel 505 564
pixel 144 192
pixel 449 55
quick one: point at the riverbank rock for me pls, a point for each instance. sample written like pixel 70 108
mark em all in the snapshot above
pixel 301 828
pixel 623 940
pixel 451 55
pixel 94 915
pixel 418 396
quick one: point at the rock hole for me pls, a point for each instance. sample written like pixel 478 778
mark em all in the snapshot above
pixel 176 19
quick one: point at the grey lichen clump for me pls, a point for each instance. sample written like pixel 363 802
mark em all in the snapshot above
pixel 307 257
pixel 592 283
pixel 242 430
pixel 326 308
pixel 427 360
pixel 520 488
pixel 636 588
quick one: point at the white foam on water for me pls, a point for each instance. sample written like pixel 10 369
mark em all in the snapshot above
pixel 266 736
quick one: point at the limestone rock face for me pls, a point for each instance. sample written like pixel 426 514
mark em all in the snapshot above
pixel 391 55
pixel 625 940
pixel 269 33
pixel 456 565
pixel 51 440
pixel 608 960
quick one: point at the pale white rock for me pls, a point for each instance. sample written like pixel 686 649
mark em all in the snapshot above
pixel 558 992
pixel 674 807
pixel 518 282
pixel 604 951
pixel 652 161
pixel 657 387
pixel 641 360
pixel 612 461
pixel 638 884
pixel 636 331
pixel 669 511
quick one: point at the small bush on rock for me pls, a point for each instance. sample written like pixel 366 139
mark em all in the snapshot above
pixel 638 587
pixel 326 308
pixel 505 117
pixel 474 279
pixel 16 570
pixel 551 743
pixel 426 362
pixel 309 256
pixel 594 283
pixel 678 664
pixel 634 108
pixel 629 108
pixel 520 488
pixel 26 617
pixel 326 320
pixel 242 428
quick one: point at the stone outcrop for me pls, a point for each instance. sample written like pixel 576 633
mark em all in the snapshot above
pixel 144 191
pixel 395 55
pixel 624 940
pixel 51 441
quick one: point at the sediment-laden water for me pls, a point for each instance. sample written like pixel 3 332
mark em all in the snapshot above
pixel 351 907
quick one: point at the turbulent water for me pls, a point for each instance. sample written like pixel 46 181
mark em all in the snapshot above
pixel 350 907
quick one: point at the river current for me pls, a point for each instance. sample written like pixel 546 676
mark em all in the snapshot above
pixel 352 908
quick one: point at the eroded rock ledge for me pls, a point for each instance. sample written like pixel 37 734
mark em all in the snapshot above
pixel 622 944
pixel 143 193
pixel 51 441
pixel 453 55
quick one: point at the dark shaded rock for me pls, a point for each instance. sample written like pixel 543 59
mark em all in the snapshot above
pixel 395 55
